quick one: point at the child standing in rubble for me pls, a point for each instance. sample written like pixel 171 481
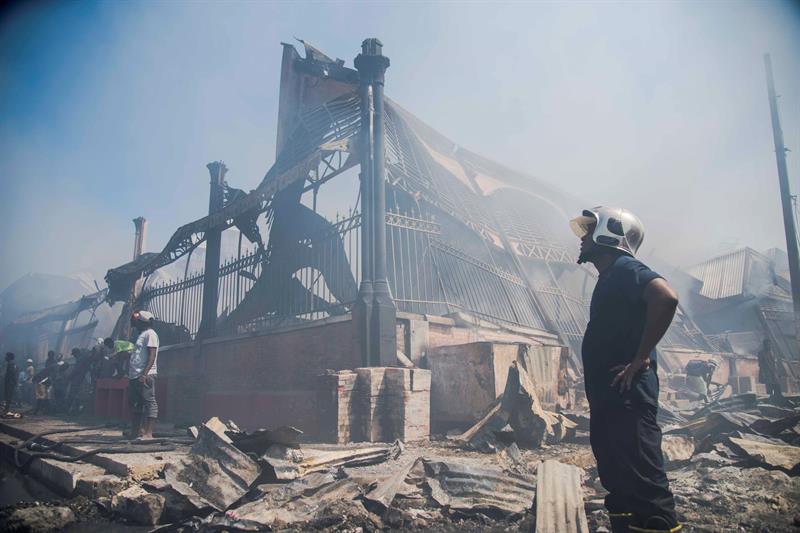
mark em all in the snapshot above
pixel 631 309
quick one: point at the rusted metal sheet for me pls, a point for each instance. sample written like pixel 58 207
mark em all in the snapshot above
pixel 738 403
pixel 383 494
pixel 470 488
pixel 215 474
pixel 719 423
pixel 308 459
pixel 780 456
pixel 559 499
pixel 300 501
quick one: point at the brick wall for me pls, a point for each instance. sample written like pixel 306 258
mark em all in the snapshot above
pixel 259 380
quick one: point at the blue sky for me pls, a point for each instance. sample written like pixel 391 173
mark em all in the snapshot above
pixel 111 110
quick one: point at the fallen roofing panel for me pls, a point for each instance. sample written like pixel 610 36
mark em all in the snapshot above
pixel 300 501
pixel 782 456
pixel 292 464
pixel 559 499
pixel 216 474
pixel 469 488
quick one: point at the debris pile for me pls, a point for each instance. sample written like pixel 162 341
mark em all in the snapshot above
pixel 740 430
pixel 733 464
pixel 266 479
pixel 517 417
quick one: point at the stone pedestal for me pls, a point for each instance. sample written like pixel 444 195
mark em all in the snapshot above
pixel 335 401
pixel 375 404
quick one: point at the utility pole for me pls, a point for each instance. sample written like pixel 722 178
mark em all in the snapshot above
pixel 216 200
pixel 379 328
pixel 786 198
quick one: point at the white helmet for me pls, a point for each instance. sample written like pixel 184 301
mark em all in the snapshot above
pixel 615 228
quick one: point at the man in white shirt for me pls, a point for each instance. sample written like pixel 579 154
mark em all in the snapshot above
pixel 142 372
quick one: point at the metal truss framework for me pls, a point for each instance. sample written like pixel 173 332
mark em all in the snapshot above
pixel 431 267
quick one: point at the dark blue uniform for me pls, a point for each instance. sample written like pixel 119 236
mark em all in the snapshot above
pixel 625 437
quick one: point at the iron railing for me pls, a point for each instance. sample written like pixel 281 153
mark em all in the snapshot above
pixel 318 277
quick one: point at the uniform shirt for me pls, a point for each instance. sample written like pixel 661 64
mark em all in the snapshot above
pixel 147 339
pixel 616 322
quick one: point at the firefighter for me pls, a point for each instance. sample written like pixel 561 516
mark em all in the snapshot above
pixel 631 309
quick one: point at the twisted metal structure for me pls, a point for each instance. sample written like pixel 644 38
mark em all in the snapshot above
pixel 462 233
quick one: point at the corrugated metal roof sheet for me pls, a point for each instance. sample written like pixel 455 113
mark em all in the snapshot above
pixel 559 499
pixel 722 276
pixel 466 487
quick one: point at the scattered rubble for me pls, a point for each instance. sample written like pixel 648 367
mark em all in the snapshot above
pixel 137 505
pixel 520 468
pixel 215 474
pixel 517 416
pixel 39 518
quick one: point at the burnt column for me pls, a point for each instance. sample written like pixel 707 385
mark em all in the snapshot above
pixel 372 65
pixel 141 236
pixel 208 322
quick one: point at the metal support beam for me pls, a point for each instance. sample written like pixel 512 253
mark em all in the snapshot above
pixel 786 196
pixel 216 201
pixel 381 330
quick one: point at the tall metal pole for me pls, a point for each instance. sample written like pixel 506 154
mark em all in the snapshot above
pixel 786 199
pixel 371 65
pixel 208 322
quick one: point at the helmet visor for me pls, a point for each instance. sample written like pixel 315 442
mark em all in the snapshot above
pixel 580 225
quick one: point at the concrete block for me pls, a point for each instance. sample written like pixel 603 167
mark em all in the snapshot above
pixel 371 380
pixel 420 379
pixel 138 505
pixel 335 406
pixel 398 379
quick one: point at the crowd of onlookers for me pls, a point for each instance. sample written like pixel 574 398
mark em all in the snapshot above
pixel 63 386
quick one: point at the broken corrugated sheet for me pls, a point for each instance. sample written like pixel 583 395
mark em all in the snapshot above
pixel 739 403
pixel 216 474
pixel 720 423
pixel 383 494
pixel 780 456
pixel 483 436
pixel 302 500
pixel 559 499
pixel 468 488
pixel 297 463
pixel 260 440
pixel 519 408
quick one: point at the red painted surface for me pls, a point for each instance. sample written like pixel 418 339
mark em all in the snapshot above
pixel 256 381
pixel 111 398
pixel 253 410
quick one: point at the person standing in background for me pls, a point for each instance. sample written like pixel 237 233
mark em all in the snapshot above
pixel 142 371
pixel 10 382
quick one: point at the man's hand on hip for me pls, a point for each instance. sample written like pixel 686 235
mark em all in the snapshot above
pixel 626 373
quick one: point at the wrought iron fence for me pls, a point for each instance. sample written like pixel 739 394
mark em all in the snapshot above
pixel 179 302
pixel 319 276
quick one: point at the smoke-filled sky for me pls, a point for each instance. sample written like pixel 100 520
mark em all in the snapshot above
pixel 111 110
